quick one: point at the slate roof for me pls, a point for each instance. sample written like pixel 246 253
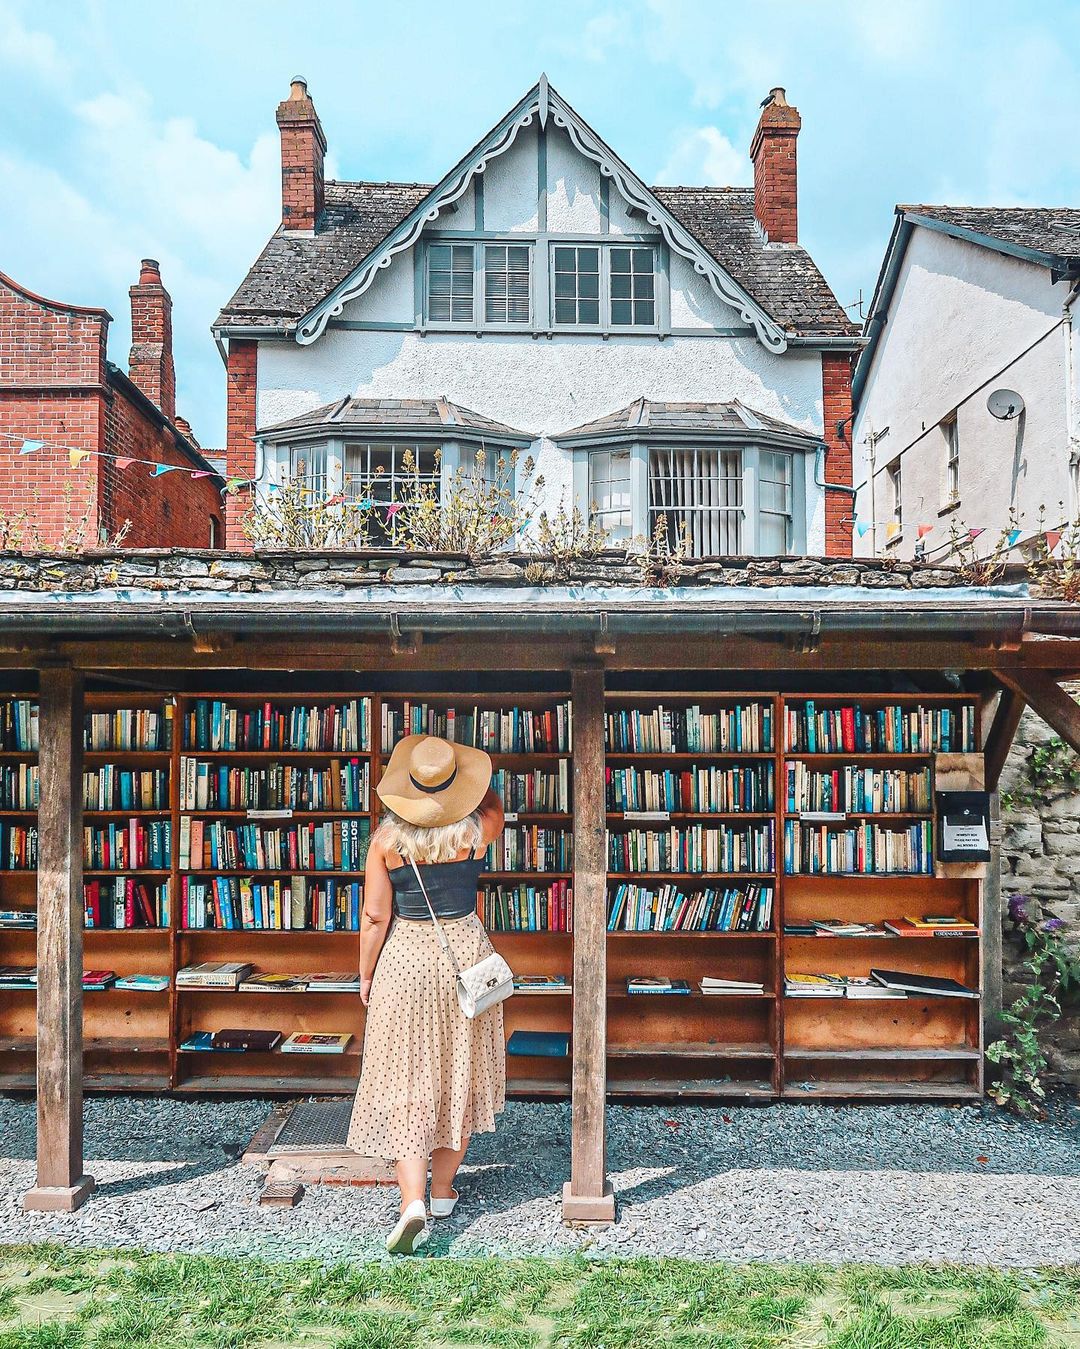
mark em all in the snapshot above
pixel 647 414
pixel 1050 230
pixel 414 414
pixel 294 272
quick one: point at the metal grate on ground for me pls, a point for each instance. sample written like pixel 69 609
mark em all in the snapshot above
pixel 313 1126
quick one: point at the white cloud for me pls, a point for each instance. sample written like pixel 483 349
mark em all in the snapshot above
pixel 704 155
pixel 31 52
pixel 600 35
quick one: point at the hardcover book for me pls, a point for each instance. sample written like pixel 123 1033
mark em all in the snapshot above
pixel 923 985
pixel 257 1041
pixel 647 984
pixel 545 1044
pixel 309 1042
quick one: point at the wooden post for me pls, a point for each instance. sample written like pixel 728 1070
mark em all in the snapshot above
pixel 61 1183
pixel 587 1195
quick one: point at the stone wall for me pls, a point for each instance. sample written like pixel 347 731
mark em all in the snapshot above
pixel 1040 857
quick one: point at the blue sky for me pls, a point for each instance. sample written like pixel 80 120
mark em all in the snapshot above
pixel 135 130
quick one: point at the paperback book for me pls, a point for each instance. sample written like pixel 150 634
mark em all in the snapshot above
pixel 312 1042
pixel 656 985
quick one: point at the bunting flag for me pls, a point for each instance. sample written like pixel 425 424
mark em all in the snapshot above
pixel 1053 538
pixel 29 446
pixel 862 527
pixel 923 530
pixel 75 457
pixel 392 509
pixel 234 483
pixel 273 487
pixel 202 473
pixel 366 504
pixel 159 469
pixel 1011 537
pixel 123 462
pixel 892 529
pixel 973 534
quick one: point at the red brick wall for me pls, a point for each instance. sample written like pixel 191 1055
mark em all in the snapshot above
pixel 52 373
pixel 173 510
pixel 241 373
pixel 836 402
pixel 776 186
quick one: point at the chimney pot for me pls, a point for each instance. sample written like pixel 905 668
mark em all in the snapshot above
pixel 773 150
pixel 149 272
pixel 297 88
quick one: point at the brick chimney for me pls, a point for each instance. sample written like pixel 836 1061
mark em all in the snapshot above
pixel 776 196
pixel 150 363
pixel 303 146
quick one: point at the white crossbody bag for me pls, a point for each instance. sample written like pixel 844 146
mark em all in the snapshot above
pixel 482 985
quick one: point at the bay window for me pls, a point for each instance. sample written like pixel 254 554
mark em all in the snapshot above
pixel 609 493
pixel 774 503
pixel 697 494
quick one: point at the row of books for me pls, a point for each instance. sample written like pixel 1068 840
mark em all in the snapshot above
pixel 636 908
pixel 893 729
pixel 19 724
pixel 328 845
pixel 526 847
pixel 930 925
pixel 877 984
pixel 212 724
pixel 111 788
pixel 528 908
pixel 862 790
pixel 694 847
pixel 18 847
pixel 19 788
pixel 18 918
pixel 93 981
pixel 241 976
pixel 659 985
pixel 125 902
pixel 341 785
pixel 740 728
pixel 546 793
pixel 128 845
pixel 242 1040
pixel 285 904
pixel 860 849
pixel 696 789
pixel 511 730
pixel 129 728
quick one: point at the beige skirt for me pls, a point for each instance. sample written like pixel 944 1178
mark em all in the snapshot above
pixel 430 1075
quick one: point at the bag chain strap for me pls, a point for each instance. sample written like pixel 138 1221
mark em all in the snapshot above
pixel 438 926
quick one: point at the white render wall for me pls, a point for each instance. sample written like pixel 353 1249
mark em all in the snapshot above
pixel 964 321
pixel 543 385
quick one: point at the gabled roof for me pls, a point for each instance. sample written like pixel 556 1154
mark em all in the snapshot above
pixel 299 282
pixel 1047 236
pixel 418 416
pixel 646 417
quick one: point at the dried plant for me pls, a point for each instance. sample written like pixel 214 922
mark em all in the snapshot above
pixel 1056 577
pixel 562 538
pixel 480 511
pixel 20 531
pixel 662 559
pixel 981 569
pixel 292 518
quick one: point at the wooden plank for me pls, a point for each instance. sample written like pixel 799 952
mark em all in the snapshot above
pixel 999 738
pixel 61 1181
pixel 588 1196
pixel 1048 699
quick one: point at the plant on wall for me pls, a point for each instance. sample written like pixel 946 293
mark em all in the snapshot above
pixel 1055 570
pixel 981 569
pixel 480 511
pixel 562 538
pixel 291 518
pixel 662 559
pixel 1050 769
pixel 1053 969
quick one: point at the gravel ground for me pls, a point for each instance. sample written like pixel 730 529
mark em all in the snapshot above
pixel 887 1184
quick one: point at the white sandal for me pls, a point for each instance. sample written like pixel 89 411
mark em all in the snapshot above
pixel 410 1232
pixel 443 1208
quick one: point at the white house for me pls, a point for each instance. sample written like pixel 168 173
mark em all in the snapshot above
pixel 663 353
pixel 966 394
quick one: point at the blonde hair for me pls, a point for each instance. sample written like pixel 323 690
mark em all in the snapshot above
pixel 440 843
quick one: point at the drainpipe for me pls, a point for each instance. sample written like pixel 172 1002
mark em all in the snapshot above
pixel 819 474
pixel 1072 414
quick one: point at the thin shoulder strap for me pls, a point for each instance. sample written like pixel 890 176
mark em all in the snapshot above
pixel 438 926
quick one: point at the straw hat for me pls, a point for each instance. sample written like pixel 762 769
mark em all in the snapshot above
pixel 430 781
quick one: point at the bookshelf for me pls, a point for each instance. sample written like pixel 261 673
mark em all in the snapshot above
pixel 703 814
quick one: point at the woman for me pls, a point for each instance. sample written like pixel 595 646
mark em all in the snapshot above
pixel 431 1077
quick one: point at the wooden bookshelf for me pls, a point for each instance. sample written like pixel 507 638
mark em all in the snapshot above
pixel 748 1046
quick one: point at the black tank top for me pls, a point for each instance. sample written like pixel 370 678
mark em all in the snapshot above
pixel 451 887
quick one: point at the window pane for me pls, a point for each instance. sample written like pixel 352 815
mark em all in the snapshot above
pixel 506 283
pixel 632 279
pixel 643 313
pixel 565 284
pixel 589 311
pixel 588 285
pixel 565 260
pixel 696 494
pixel 450 283
pixel 620 286
pixel 620 260
pixel 621 311
pixel 577 285
pixel 773 534
pixel 565 311
pixel 588 259
pixel 609 492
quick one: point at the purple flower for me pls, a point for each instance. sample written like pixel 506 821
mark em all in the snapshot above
pixel 1053 924
pixel 1018 909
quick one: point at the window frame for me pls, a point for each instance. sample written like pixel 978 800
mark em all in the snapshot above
pixel 478 321
pixel 451 322
pixel 605 244
pixel 894 473
pixel 951 431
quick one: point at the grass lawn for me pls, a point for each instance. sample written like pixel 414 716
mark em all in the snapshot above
pixel 55 1298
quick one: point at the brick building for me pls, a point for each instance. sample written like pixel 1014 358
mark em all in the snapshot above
pixel 670 356
pixel 57 386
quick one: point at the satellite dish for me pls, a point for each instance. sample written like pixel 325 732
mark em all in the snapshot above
pixel 1004 404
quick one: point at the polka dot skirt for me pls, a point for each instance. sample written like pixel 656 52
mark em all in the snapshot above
pixel 430 1075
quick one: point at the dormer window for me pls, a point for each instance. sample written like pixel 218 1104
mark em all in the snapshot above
pixel 604 285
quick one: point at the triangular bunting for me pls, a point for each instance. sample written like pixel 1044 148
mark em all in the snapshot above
pixel 122 462
pixel 202 473
pixel 392 509
pixel 1053 538
pixel 75 457
pixel 862 527
pixel 973 534
pixel 159 469
pixel 892 529
pixel 923 530
pixel 30 446
pixel 1011 537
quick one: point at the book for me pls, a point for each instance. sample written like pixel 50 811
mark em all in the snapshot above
pixel 813 986
pixel 836 927
pixel 713 987
pixel 333 982
pixel 18 976
pixel 541 983
pixel 923 985
pixel 904 927
pixel 254 1041
pixel 861 986
pixel 213 974
pixel 97 980
pixel 544 1044
pixel 310 1042
pixel 18 918
pixel 202 1041
pixel 147 983
pixel 273 983
pixel 656 985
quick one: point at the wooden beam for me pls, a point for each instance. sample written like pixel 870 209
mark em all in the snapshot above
pixel 587 1195
pixel 999 738
pixel 1046 697
pixel 61 1181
